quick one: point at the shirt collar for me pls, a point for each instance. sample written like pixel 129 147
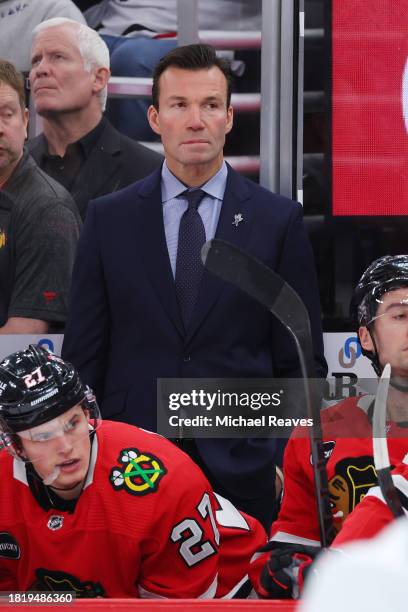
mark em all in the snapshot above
pixel 172 187
pixel 85 144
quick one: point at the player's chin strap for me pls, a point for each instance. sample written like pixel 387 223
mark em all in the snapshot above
pixel 400 384
pixel 372 355
pixel 391 494
pixel 48 480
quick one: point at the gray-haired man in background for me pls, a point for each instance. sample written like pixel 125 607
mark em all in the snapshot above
pixel 79 147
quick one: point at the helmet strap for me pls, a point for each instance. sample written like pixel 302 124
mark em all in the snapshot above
pixel 372 355
pixel 64 488
pixel 397 384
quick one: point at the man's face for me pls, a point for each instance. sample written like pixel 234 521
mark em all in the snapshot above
pixel 59 81
pixel 390 331
pixel 192 118
pixel 60 446
pixel 13 129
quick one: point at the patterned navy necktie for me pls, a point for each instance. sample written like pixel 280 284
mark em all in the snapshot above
pixel 189 268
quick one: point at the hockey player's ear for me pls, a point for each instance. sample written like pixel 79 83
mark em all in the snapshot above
pixel 365 339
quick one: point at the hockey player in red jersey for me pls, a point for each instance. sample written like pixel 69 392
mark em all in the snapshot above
pixel 380 310
pixel 104 509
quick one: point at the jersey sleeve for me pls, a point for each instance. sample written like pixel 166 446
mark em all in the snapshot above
pixel 297 521
pixel 241 537
pixel 180 558
pixel 367 519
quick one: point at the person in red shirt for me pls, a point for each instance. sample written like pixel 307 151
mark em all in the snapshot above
pixel 380 311
pixel 104 509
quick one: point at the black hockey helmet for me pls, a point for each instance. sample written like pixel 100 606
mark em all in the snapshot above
pixel 35 387
pixel 383 275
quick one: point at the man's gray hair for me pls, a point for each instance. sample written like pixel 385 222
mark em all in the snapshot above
pixel 91 46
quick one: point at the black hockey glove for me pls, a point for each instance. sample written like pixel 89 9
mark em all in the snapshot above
pixel 284 573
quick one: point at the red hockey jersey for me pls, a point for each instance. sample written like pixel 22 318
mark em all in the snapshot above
pixel 144 526
pixel 373 514
pixel 347 436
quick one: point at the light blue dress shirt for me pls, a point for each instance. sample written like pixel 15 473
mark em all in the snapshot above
pixel 174 207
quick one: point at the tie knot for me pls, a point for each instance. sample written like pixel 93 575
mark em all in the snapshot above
pixel 194 197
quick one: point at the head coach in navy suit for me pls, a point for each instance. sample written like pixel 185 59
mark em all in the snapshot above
pixel 133 317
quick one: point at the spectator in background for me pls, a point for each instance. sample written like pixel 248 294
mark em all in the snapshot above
pixel 18 19
pixel 39 225
pixel 139 32
pixel 143 308
pixel 79 147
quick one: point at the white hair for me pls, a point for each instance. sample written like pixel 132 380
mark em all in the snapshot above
pixel 91 46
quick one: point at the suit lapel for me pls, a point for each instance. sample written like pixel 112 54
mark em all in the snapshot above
pixel 236 201
pixel 152 246
pixel 151 243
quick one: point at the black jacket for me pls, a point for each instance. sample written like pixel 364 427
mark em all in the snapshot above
pixel 115 162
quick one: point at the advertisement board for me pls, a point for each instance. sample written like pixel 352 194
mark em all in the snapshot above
pixel 346 364
pixel 369 103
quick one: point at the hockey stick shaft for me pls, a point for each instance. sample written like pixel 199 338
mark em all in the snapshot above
pixel 271 290
pixel 380 447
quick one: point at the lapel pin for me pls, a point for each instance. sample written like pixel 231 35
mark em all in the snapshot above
pixel 237 219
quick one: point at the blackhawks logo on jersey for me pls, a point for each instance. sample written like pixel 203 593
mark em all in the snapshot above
pixel 139 472
pixel 57 581
pixel 352 479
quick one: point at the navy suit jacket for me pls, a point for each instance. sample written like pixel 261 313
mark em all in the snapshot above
pixel 124 327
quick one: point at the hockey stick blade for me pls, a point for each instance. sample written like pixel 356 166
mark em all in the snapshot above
pixel 273 292
pixel 265 286
pixel 380 446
